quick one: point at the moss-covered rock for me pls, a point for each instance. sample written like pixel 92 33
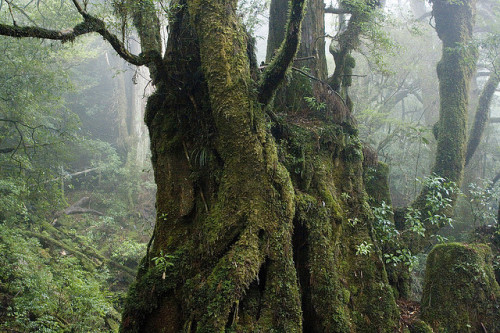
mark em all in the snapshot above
pixel 460 290
pixel 491 236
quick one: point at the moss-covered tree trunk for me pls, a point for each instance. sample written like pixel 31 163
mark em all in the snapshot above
pixel 482 115
pixel 454 24
pixel 310 59
pixel 257 229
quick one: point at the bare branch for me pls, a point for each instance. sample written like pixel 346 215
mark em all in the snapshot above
pixel 80 9
pixel 483 74
pixel 78 208
pixel 320 81
pixel 14 149
pixel 11 13
pixel 338 11
pixel 21 10
pixel 83 172
pixel 7 150
pixel 426 15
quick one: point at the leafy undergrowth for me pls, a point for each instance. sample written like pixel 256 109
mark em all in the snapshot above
pixel 68 273
pixel 46 289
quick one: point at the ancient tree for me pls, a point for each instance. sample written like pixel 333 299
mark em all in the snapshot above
pixel 262 220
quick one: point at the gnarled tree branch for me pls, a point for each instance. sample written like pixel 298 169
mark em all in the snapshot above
pixel 89 25
pixel 482 116
pixel 275 72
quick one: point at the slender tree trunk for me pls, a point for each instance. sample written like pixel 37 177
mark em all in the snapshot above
pixel 310 58
pixel 454 23
pixel 482 115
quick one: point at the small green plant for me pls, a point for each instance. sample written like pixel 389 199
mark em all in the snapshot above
pixel 413 219
pixel 440 239
pixel 480 198
pixel 314 104
pixel 364 249
pixel 345 196
pixel 496 262
pixel 163 261
pixel 403 256
pixel 383 226
pixel 353 222
pixel 438 200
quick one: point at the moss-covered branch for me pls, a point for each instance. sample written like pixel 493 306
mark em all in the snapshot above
pixel 348 40
pixel 89 257
pixel 148 25
pixel 90 24
pixel 482 115
pixel 275 72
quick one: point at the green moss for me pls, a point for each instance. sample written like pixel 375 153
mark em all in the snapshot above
pixel 460 291
pixel 376 183
pixel 359 297
pixel 420 326
pixel 143 298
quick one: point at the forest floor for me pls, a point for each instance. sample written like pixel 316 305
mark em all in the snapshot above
pixel 409 312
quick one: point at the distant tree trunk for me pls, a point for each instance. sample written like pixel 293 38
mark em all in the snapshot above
pixel 141 89
pixel 256 230
pixel 131 91
pixel 454 23
pixel 418 8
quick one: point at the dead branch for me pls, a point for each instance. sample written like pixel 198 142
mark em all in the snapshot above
pixel 78 208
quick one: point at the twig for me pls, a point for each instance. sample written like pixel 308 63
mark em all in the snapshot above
pixel 321 81
pixel 356 75
pixel 11 13
pixel 304 58
pixel 73 174
pixel 338 11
